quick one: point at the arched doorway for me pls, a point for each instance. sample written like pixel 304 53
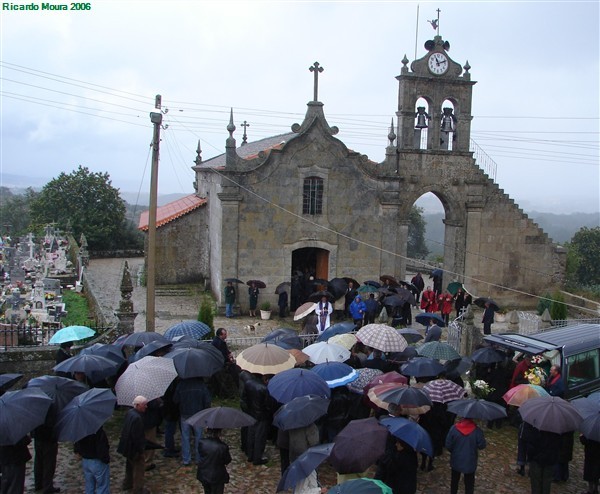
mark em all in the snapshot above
pixel 307 263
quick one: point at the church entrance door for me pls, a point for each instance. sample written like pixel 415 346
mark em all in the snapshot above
pixel 307 263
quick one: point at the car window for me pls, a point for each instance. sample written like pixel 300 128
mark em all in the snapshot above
pixel 583 367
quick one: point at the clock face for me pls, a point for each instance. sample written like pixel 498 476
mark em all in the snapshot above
pixel 438 63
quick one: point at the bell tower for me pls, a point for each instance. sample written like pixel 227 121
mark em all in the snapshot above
pixel 434 102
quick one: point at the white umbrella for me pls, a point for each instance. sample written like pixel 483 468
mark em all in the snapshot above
pixel 149 377
pixel 324 351
pixel 304 310
pixel 347 340
pixel 382 337
pixel 265 358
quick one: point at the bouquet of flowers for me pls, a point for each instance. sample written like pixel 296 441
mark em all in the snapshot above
pixel 536 375
pixel 480 388
pixel 537 359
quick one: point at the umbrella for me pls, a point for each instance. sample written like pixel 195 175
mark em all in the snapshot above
pixel 7 381
pixel 481 301
pixel 149 377
pixel 365 376
pixel 400 394
pixel 348 279
pixel 282 287
pixel 390 278
pixel 346 340
pixel 258 283
pixel 486 355
pixel 220 418
pixel 424 318
pixel 411 335
pixel 590 427
pixel 319 282
pixel 150 348
pixel 336 374
pixel 285 338
pixel 404 356
pixel 372 283
pixel 394 301
pixel 71 333
pixel 382 337
pixel 94 367
pixel 139 339
pixel 595 396
pixel 373 399
pixel 422 367
pixel 438 350
pixel 324 351
pixel 472 408
pixel 195 329
pixel 410 432
pixel 358 445
pixel 366 289
pixel 443 390
pixel 457 367
pixel 304 465
pixel 187 342
pixel 335 329
pixel 61 389
pixel 85 414
pixel 317 296
pixel 304 310
pixel 300 412
pixel 111 352
pixel 409 286
pixel 20 412
pixel 436 272
pixel 586 406
pixel 197 362
pixel 387 378
pixel 232 280
pixel 265 358
pixel 454 286
pixel 361 486
pixel 338 287
pixel 292 383
pixel 551 414
pixel 522 392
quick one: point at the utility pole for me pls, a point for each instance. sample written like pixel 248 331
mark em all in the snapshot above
pixel 156 119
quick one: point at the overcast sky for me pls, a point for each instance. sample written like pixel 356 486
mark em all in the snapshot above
pixel 77 86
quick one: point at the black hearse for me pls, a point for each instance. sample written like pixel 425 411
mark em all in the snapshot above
pixel 575 348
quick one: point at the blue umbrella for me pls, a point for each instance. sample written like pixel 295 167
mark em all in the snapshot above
pixel 150 348
pixel 424 318
pixel 20 412
pixel 85 414
pixel 411 335
pixel 410 432
pixel 472 408
pixel 372 283
pixel 112 352
pixel 139 339
pixel 285 338
pixel 303 466
pixel 197 362
pixel 590 427
pixel 71 333
pixel 336 373
pixel 291 383
pixel 486 355
pixel 422 367
pixel 94 367
pixel 8 380
pixel 61 389
pixel 195 329
pixel 300 412
pixel 338 328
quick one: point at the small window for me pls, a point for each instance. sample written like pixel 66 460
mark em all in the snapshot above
pixel 584 367
pixel 312 196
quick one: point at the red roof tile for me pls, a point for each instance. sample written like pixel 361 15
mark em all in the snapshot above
pixel 169 212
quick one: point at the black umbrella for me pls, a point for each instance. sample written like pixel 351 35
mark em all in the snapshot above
pixel 300 412
pixel 94 367
pixel 232 280
pixel 221 418
pixel 408 353
pixel 393 301
pixel 338 287
pixel 358 445
pixel 151 348
pixel 61 389
pixel 282 287
pixel 422 367
pixel 197 362
pixel 455 368
pixel 85 414
pixel 20 412
pixel 389 278
pixel 411 335
pixel 139 339
pixel 472 408
pixel 424 318
pixel 409 286
pixel 7 381
pixel 551 414
pixel 304 465
pixel 285 338
pixel 111 352
pixel 481 301
pixel 486 355
pixel 258 283
pixel 354 282
pixel 376 284
pixel 317 296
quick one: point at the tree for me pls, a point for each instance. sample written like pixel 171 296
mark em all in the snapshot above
pixel 15 211
pixel 584 252
pixel 416 247
pixel 88 202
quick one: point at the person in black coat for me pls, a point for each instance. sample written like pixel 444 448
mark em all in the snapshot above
pixel 214 457
pixel 132 445
pixel 591 464
pixel 398 467
pixel 261 407
pixel 542 451
pixel 45 443
pixel 95 458
pixel 488 318
pixel 13 459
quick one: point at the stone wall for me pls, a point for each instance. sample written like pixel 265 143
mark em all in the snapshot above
pixel 31 362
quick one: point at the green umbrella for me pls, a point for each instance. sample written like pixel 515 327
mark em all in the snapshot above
pixel 454 286
pixel 361 486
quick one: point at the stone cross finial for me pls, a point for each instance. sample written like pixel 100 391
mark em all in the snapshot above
pixel 315 69
pixel 245 136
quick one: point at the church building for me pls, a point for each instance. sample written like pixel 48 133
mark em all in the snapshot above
pixel 303 202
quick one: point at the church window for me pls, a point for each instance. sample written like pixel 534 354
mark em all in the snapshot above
pixel 312 196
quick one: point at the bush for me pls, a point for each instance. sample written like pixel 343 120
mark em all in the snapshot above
pixel 206 314
pixel 265 306
pixel 544 304
pixel 558 309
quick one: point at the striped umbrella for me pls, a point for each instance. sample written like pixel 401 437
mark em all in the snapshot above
pixel 443 390
pixel 265 358
pixel 336 374
pixel 522 392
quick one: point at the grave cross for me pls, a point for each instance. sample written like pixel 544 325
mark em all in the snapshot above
pixel 245 136
pixel 316 68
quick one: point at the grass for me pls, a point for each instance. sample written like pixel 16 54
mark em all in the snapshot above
pixel 77 308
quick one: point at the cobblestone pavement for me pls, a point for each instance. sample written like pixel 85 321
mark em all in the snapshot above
pixel 495 475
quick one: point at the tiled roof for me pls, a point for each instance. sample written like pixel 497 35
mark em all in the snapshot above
pixel 169 212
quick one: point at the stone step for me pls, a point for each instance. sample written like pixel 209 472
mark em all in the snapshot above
pixel 172 292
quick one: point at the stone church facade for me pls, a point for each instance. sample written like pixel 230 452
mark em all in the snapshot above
pixel 303 201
